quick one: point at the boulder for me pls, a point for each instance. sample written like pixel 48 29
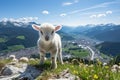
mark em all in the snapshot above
pixel 23 59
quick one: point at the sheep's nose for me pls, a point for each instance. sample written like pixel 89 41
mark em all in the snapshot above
pixel 46 38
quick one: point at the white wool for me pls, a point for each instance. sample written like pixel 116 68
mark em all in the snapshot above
pixel 52 45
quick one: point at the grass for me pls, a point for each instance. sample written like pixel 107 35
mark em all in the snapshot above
pixel 4 62
pixel 21 37
pixel 15 47
pixel 2 40
pixel 77 52
pixel 83 71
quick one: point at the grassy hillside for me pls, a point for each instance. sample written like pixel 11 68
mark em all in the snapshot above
pixel 109 48
pixel 26 37
pixel 84 71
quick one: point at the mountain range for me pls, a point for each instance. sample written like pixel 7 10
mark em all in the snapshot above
pixel 21 35
pixel 103 32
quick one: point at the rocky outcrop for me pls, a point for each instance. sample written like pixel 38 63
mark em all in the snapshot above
pixel 20 71
pixel 64 75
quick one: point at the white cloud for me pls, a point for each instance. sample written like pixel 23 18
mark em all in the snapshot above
pixel 28 19
pixel 93 16
pixel 101 15
pixel 108 12
pixel 67 3
pixel 45 12
pixel 63 14
pixel 70 3
pixel 23 19
pixel 97 15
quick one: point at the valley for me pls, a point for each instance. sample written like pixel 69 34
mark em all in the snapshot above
pixel 82 41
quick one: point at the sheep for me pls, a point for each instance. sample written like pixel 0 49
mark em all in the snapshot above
pixel 49 41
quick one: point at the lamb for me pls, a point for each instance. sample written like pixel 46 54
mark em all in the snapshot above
pixel 49 41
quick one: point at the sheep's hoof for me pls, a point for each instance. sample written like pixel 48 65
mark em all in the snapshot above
pixel 53 66
pixel 62 63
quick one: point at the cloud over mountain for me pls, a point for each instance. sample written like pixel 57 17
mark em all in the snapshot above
pixel 23 19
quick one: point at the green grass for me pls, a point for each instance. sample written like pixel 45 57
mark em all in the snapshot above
pixel 84 72
pixel 2 40
pixel 4 62
pixel 15 47
pixel 79 54
pixel 20 37
pixel 75 50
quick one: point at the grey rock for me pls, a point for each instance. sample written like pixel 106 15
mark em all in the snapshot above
pixel 10 69
pixel 64 75
pixel 20 71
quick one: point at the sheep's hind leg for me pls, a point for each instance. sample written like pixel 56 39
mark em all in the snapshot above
pixel 60 56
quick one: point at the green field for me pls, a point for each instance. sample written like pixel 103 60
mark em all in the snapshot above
pixel 13 48
pixel 20 37
pixel 75 50
pixel 2 40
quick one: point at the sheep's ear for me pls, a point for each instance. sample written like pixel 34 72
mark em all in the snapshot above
pixel 57 28
pixel 36 27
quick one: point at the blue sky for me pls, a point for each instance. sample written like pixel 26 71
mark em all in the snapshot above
pixel 65 12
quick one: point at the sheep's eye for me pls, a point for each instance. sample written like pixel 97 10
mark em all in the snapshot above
pixel 41 32
pixel 52 32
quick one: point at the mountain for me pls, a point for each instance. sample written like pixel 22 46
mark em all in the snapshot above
pixel 20 35
pixel 109 48
pixel 102 32
pixel 12 35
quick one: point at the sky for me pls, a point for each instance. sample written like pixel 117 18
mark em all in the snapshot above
pixel 63 12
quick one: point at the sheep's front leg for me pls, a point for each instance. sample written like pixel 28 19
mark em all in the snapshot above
pixel 54 57
pixel 42 57
pixel 60 55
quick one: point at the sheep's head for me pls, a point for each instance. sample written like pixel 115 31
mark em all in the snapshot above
pixel 46 31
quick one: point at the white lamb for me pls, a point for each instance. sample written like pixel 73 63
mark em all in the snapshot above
pixel 49 41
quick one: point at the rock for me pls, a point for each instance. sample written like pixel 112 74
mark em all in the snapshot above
pixel 64 75
pixel 11 57
pixel 15 60
pixel 19 71
pixel 10 69
pixel 115 68
pixel 31 73
pixel 23 59
pixel 32 59
pixel 75 62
